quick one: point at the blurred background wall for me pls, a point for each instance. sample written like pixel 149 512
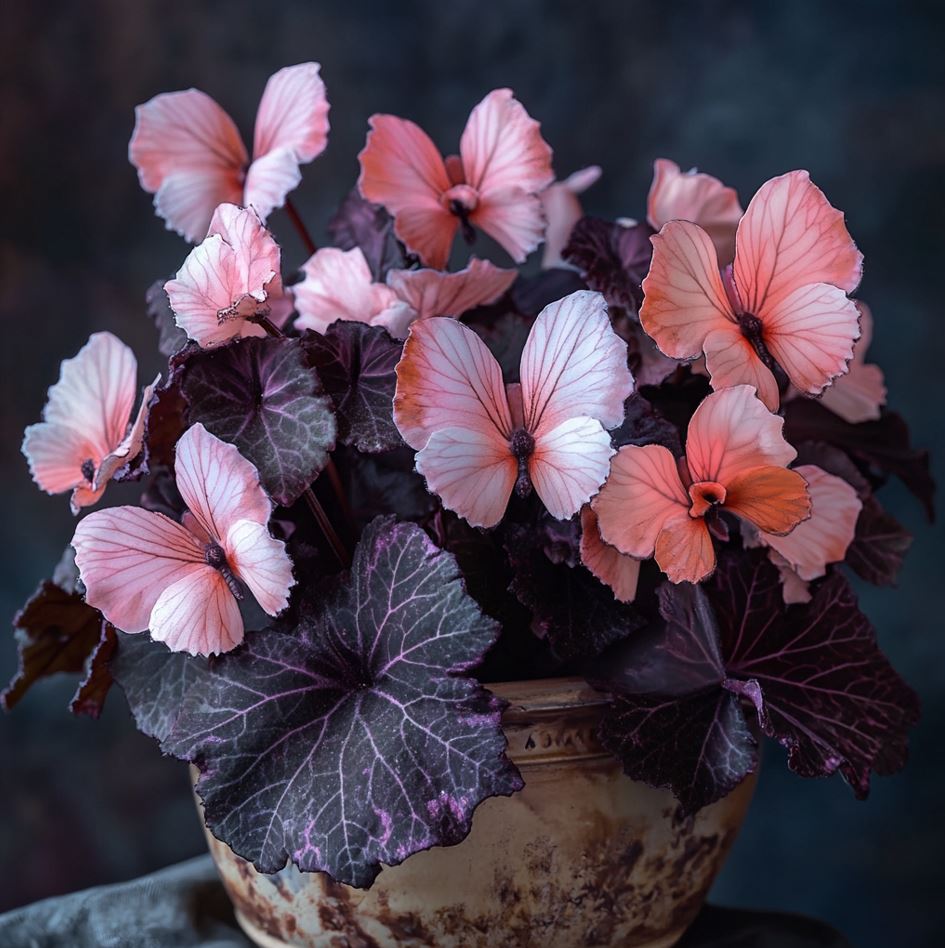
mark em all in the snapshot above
pixel 855 92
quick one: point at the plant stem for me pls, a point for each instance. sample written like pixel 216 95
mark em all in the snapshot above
pixel 299 224
pixel 337 547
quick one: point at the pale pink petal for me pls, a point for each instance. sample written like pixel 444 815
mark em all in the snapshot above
pixel 507 161
pixel 574 365
pixel 447 378
pixel 693 196
pixel 791 237
pixel 226 280
pixel 472 471
pixel 131 444
pixel 613 568
pixel 261 562
pixel 337 285
pixel 561 205
pixel 218 485
pixel 824 537
pixel 684 550
pixel 86 414
pixel 402 169
pixel 569 464
pixel 793 588
pixel 186 136
pixel 810 333
pixel 857 396
pixel 684 298
pixel 187 199
pixel 434 293
pixel 127 557
pixel 642 495
pixel 197 614
pixel 730 432
pixel 730 359
pixel 293 114
pixel 269 179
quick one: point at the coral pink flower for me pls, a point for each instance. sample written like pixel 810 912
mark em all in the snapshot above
pixel 562 206
pixel 493 183
pixel 477 438
pixel 860 394
pixel 804 553
pixel 190 156
pixel 87 434
pixel 229 279
pixel 693 196
pixel 183 580
pixel 338 285
pixel 613 568
pixel 785 299
pixel 736 460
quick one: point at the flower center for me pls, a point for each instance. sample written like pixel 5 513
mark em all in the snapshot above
pixel 244 307
pixel 216 557
pixel 88 469
pixel 523 446
pixel 705 495
pixel 461 200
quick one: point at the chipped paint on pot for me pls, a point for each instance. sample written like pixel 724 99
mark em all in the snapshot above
pixel 582 856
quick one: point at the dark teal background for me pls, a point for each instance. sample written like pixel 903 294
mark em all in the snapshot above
pixel 855 92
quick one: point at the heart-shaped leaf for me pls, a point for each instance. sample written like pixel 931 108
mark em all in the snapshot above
pixel 359 223
pixel 261 395
pixel 879 545
pixel 356 364
pixel 356 738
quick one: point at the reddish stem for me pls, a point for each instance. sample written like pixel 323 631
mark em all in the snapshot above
pixel 299 224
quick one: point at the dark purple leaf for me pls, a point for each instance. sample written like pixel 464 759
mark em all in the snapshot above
pixel 571 609
pixel 833 461
pixel 358 223
pixel 882 445
pixel 612 258
pixel 643 424
pixel 358 737
pixel 378 484
pixel 879 545
pixel 55 631
pixel 261 395
pixel 531 294
pixel 155 681
pixel 171 337
pixel 648 364
pixel 356 365
pixel 166 422
pixel 506 338
pixel 90 697
pixel 672 724
pixel 824 690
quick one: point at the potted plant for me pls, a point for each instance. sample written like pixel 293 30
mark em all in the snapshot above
pixel 468 594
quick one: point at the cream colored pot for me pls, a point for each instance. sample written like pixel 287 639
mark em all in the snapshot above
pixel 582 856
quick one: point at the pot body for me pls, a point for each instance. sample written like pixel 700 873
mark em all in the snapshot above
pixel 582 856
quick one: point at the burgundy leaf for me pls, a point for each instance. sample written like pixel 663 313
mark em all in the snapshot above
pixel 356 364
pixel 90 697
pixel 55 631
pixel 879 545
pixel 171 338
pixel 357 738
pixel 262 396
pixel 378 484
pixel 506 337
pixel 643 424
pixel 883 444
pixel 358 223
pixel 823 688
pixel 531 294
pixel 612 258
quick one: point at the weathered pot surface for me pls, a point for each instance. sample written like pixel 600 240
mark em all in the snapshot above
pixel 582 856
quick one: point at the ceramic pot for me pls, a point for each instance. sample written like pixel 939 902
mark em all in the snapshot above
pixel 582 856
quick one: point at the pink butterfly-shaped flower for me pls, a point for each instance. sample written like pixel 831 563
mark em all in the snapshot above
pixel 697 197
pixel 785 299
pixel 478 439
pixel 228 280
pixel 860 394
pixel 87 433
pixel 804 553
pixel 736 460
pixel 561 203
pixel 613 568
pixel 190 156
pixel 338 285
pixel 183 580
pixel 493 183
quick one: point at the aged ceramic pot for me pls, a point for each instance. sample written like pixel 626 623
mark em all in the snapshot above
pixel 582 856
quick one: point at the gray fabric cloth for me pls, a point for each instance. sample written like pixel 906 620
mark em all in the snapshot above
pixel 186 905
pixel 182 905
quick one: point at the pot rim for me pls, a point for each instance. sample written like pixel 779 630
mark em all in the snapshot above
pixel 544 695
